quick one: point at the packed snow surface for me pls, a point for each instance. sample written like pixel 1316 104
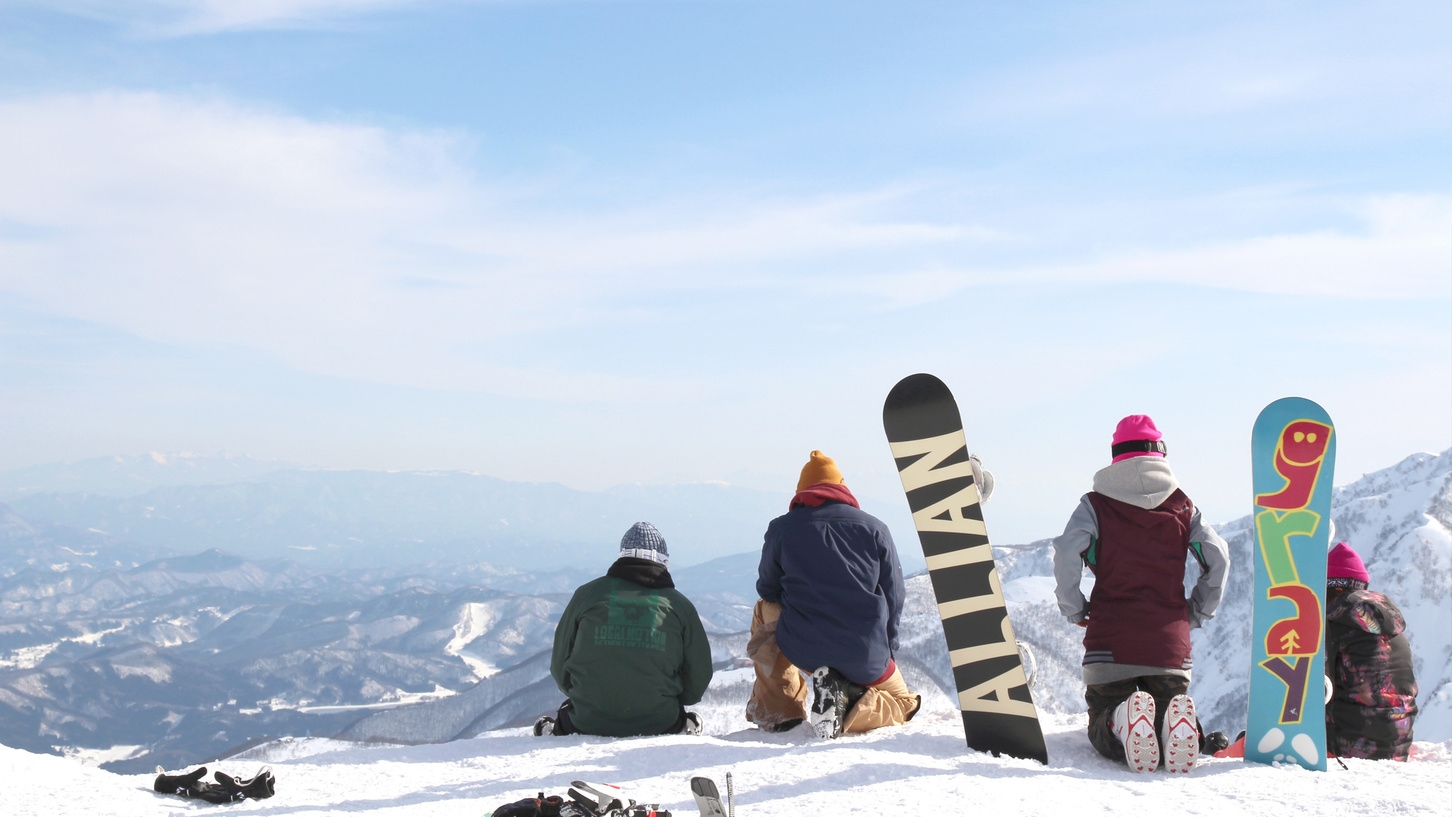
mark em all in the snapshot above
pixel 922 768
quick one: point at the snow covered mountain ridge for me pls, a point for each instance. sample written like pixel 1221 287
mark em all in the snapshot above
pixel 1395 518
pixel 191 657
pixel 1398 519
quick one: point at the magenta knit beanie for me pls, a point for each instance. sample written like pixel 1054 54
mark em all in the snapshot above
pixel 1136 436
pixel 1345 569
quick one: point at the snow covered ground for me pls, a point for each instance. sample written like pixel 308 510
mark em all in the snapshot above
pixel 923 768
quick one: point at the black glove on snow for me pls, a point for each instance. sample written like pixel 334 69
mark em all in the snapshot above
pixel 227 789
pixel 178 783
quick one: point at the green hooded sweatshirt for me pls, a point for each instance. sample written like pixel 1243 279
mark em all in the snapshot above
pixel 630 652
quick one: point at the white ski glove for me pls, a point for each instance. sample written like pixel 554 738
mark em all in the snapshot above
pixel 982 476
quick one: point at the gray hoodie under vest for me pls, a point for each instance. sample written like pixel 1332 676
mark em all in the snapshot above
pixel 1144 482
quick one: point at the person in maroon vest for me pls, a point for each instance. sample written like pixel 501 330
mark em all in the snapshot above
pixel 1138 534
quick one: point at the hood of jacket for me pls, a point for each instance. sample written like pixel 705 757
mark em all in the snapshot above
pixel 1144 482
pixel 1368 611
pixel 643 572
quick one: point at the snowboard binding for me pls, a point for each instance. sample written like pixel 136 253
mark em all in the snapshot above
pixel 605 800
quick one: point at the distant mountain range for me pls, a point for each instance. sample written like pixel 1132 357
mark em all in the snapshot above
pixel 130 475
pixel 376 518
pixel 109 639
pixel 190 656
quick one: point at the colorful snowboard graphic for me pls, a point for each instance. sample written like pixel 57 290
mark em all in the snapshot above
pixel 1293 451
pixel 926 435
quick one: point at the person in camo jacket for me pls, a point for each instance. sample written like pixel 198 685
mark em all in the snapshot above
pixel 1137 532
pixel 1373 691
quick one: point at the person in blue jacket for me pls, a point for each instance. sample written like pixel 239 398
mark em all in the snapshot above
pixel 831 596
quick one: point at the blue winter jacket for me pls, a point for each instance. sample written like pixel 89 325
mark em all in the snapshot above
pixel 835 572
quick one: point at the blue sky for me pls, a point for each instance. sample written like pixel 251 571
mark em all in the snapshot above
pixel 606 242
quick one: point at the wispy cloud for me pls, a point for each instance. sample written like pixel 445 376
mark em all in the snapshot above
pixel 175 18
pixel 352 250
pixel 1400 251
pixel 380 255
pixel 376 254
pixel 1336 73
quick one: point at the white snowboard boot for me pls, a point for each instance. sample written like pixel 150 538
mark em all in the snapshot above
pixel 1180 735
pixel 1134 723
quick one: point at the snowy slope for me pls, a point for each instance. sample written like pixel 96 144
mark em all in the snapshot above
pixel 923 768
pixel 1398 519
pixel 192 657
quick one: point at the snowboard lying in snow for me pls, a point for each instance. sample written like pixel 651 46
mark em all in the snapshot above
pixel 925 432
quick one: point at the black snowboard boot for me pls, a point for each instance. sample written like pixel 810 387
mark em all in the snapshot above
pixel 834 697
pixel 1213 742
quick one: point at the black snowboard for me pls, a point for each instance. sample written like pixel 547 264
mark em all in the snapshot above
pixel 926 435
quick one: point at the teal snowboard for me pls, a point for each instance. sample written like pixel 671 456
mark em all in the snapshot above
pixel 1293 454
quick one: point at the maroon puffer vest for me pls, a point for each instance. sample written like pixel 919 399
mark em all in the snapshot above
pixel 1137 611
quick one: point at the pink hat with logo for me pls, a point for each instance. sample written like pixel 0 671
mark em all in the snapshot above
pixel 1136 436
pixel 1345 569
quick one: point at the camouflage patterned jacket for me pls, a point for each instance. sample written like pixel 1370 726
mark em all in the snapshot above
pixel 1374 693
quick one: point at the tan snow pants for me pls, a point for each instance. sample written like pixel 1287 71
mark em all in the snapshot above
pixel 780 691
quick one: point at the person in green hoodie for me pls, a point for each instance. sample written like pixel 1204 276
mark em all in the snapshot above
pixel 630 652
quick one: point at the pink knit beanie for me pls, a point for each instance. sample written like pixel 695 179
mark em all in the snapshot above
pixel 1136 436
pixel 1345 569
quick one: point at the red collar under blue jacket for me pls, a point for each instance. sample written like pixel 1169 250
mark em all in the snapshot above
pixel 815 496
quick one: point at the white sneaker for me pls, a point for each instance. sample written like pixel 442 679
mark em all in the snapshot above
pixel 1180 737
pixel 1134 723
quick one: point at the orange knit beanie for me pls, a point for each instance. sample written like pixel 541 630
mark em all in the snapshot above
pixel 820 468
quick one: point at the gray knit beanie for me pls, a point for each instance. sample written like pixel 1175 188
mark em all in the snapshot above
pixel 643 541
